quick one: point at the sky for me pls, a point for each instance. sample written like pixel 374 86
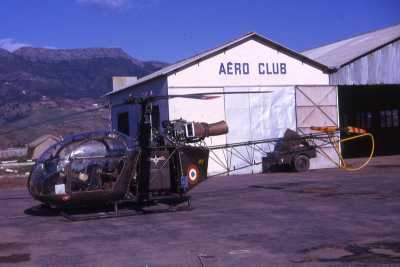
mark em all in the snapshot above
pixel 170 30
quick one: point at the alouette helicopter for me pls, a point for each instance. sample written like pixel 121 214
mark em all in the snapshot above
pixel 100 168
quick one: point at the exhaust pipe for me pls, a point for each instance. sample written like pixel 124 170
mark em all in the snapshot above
pixel 203 130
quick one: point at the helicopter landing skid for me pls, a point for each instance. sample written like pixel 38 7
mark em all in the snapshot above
pixel 126 208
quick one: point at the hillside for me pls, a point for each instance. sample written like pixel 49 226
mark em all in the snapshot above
pixel 37 84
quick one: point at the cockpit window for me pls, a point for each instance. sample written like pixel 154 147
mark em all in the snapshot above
pixel 89 149
pixel 116 147
pixel 85 162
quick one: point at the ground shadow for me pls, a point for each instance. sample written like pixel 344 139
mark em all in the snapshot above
pixel 42 210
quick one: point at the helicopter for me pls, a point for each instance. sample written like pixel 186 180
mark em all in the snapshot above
pixel 103 167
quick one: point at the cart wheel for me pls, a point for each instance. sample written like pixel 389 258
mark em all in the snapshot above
pixel 301 163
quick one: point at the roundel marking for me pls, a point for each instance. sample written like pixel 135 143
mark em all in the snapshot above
pixel 193 173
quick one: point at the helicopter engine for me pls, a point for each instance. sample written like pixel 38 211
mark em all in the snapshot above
pixel 181 131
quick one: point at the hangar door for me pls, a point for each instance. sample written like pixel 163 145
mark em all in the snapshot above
pixel 262 113
pixel 317 106
pixel 252 113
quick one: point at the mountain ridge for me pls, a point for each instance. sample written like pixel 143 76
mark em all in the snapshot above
pixel 50 54
pixel 41 81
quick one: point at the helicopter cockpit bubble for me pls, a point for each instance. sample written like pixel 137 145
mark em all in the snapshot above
pixel 89 162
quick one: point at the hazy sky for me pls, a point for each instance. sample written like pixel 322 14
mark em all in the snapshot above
pixel 170 30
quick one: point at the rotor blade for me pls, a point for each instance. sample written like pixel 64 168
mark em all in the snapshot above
pixel 194 95
pixel 200 96
pixel 208 95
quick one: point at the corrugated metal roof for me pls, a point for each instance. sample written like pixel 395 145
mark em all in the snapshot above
pixel 210 53
pixel 343 52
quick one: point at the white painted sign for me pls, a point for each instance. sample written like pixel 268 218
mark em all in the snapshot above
pixel 245 69
pixel 249 64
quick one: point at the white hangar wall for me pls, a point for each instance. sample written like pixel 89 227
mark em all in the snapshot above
pixel 209 73
pixel 250 66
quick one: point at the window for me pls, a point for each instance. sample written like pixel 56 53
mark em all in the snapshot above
pixel 382 119
pixel 89 149
pixel 395 113
pixel 388 118
pixel 123 123
pixel 369 120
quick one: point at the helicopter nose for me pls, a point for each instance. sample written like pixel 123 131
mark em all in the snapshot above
pixel 43 186
pixel 40 182
pixel 36 180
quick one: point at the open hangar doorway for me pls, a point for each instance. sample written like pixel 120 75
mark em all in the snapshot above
pixel 376 109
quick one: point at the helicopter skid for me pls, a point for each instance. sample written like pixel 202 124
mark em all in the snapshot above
pixel 126 208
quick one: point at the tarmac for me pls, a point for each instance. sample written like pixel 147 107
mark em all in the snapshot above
pixel 318 218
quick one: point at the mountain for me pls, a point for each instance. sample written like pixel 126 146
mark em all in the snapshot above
pixel 54 55
pixel 43 82
pixel 31 73
pixel 4 53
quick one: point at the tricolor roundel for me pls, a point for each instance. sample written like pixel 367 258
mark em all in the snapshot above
pixel 193 174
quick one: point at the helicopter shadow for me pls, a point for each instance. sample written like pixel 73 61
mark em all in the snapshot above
pixel 101 212
pixel 74 214
pixel 42 210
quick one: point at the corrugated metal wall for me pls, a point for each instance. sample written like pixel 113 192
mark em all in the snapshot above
pixel 379 67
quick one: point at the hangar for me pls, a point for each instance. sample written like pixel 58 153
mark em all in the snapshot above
pixel 297 94
pixel 354 82
pixel 367 73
